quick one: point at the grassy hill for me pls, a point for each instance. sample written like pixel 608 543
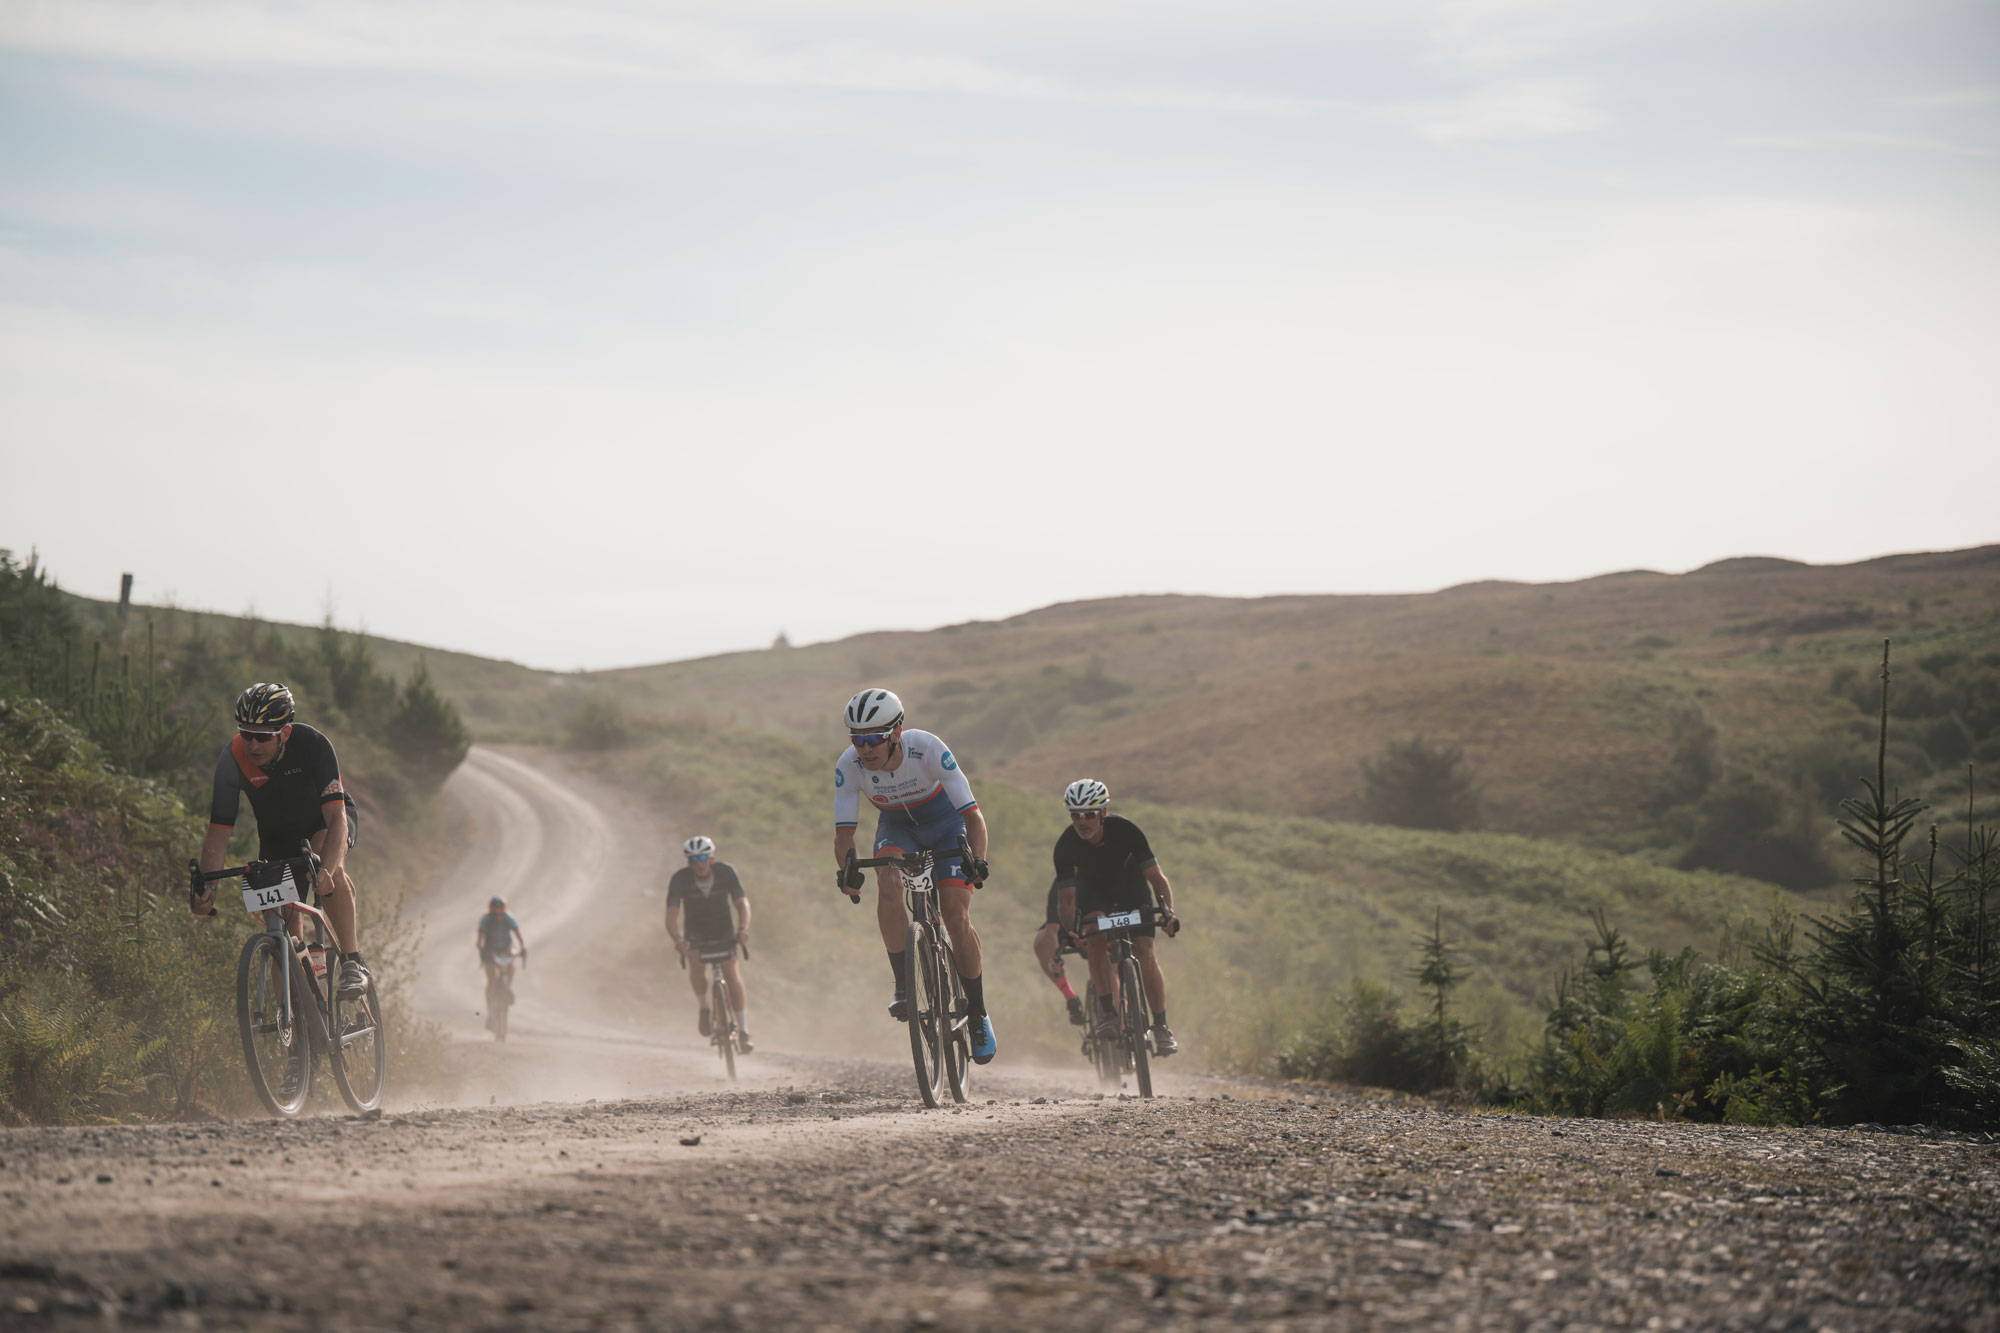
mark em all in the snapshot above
pixel 1571 701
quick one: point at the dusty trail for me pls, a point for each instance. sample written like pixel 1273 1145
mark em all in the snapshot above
pixel 816 1194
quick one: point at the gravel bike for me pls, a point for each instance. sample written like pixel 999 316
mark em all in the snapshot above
pixel 500 993
pixel 723 1032
pixel 934 995
pixel 289 1008
pixel 1124 1044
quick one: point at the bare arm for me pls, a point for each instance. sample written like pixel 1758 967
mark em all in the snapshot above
pixel 674 924
pixel 1158 879
pixel 843 843
pixel 743 916
pixel 336 837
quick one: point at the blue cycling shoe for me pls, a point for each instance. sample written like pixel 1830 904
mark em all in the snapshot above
pixel 984 1048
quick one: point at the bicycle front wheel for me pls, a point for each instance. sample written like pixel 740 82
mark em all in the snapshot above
pixel 1101 1043
pixel 957 1035
pixel 928 1001
pixel 360 1048
pixel 1133 1022
pixel 277 1044
pixel 723 1019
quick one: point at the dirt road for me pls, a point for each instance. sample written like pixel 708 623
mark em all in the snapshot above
pixel 815 1194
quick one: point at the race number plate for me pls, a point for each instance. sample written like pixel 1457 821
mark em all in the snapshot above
pixel 272 895
pixel 1117 919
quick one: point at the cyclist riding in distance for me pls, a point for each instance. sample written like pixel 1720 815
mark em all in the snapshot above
pixel 700 899
pixel 499 932
pixel 292 777
pixel 923 803
pixel 1048 953
pixel 1104 864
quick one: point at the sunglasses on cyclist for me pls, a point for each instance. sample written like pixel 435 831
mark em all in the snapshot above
pixel 1086 814
pixel 702 857
pixel 254 736
pixel 870 740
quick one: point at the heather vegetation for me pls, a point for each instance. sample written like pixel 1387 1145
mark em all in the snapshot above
pixel 114 1001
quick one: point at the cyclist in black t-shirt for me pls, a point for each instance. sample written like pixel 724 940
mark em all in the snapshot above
pixel 707 913
pixel 1104 864
pixel 292 778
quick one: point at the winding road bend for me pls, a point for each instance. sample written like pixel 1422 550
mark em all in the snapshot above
pixel 494 1194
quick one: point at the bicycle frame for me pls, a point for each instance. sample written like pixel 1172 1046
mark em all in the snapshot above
pixel 941 1032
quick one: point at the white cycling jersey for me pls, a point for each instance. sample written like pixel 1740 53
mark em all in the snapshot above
pixel 926 783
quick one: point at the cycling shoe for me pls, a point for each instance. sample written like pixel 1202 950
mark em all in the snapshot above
pixel 899 1008
pixel 1076 1011
pixel 984 1047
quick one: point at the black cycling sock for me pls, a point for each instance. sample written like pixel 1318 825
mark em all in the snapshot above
pixel 1159 1018
pixel 1104 1006
pixel 355 957
pixel 896 969
pixel 975 995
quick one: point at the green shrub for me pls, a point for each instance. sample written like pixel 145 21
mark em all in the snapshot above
pixel 1417 783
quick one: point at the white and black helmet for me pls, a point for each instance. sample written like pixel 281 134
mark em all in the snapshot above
pixel 873 710
pixel 1086 794
pixel 698 846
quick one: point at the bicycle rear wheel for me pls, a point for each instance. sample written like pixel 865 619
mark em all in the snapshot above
pixel 277 1041
pixel 360 1057
pixel 723 1022
pixel 1133 1024
pixel 928 1002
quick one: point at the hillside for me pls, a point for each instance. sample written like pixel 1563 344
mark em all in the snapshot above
pixel 1570 700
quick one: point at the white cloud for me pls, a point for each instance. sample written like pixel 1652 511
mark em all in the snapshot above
pixel 1514 109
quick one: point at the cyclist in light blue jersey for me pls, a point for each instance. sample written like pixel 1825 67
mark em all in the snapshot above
pixel 923 803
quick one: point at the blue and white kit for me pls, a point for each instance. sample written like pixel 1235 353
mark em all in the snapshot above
pixel 920 803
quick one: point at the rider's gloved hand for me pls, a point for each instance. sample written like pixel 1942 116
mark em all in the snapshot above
pixel 977 870
pixel 1172 924
pixel 849 881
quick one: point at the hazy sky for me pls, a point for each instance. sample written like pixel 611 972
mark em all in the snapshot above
pixel 594 333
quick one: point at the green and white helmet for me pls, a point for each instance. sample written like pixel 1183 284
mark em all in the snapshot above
pixel 1086 794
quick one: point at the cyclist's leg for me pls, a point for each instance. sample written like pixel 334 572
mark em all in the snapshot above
pixel 955 901
pixel 1149 972
pixel 732 973
pixel 336 899
pixel 1103 977
pixel 889 916
pixel 697 975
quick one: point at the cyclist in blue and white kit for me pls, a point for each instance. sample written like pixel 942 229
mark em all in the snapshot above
pixel 923 803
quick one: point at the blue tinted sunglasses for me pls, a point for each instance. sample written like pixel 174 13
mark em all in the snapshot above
pixel 871 740
pixel 702 857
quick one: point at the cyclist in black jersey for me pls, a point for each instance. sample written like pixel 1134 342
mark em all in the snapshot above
pixel 1048 953
pixel 1104 864
pixel 708 913
pixel 292 778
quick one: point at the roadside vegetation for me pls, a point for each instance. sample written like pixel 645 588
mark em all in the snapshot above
pixel 115 1003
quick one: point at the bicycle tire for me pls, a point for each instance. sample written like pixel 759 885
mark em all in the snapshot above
pixel 723 1024
pixel 360 1063
pixel 1105 1056
pixel 1132 1001
pixel 496 1008
pixel 281 1064
pixel 927 1004
pixel 957 1036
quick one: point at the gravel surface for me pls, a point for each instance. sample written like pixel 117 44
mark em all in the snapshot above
pixel 830 1202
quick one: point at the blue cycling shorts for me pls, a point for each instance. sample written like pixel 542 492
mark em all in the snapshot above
pixel 931 835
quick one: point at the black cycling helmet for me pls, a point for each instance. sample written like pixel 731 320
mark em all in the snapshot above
pixel 497 904
pixel 264 705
